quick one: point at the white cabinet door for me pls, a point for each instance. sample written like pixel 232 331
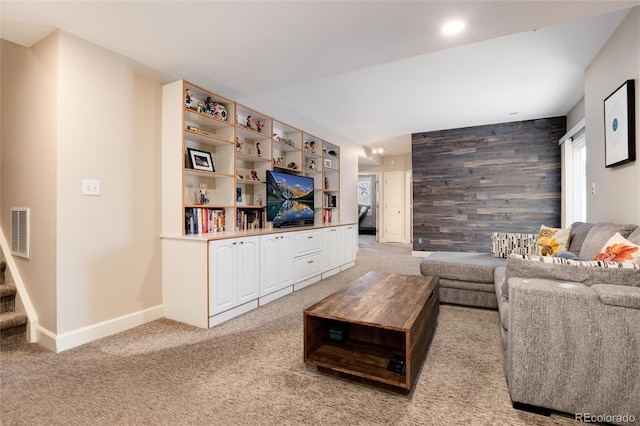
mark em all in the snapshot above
pixel 269 267
pixel 347 244
pixel 222 294
pixel 285 260
pixel 247 269
pixel 276 262
pixel 330 249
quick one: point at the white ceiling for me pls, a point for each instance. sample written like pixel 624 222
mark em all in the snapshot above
pixel 370 72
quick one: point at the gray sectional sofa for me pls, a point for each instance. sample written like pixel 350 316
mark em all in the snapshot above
pixel 570 329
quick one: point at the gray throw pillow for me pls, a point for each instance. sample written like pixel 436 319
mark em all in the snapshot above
pixel 579 231
pixel 634 237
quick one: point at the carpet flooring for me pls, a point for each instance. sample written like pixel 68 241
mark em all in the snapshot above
pixel 250 371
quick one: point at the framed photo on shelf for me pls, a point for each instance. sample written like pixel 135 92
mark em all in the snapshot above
pixel 327 163
pixel 200 160
pixel 619 125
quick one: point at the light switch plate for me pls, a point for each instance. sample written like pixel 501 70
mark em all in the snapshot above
pixel 90 187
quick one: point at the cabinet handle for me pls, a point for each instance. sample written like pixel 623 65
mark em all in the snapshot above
pixel 311 236
pixel 233 244
pixel 311 261
pixel 241 242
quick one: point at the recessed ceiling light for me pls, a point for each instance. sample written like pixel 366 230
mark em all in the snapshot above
pixel 453 27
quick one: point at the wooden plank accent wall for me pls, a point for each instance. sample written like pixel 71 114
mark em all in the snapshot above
pixel 471 182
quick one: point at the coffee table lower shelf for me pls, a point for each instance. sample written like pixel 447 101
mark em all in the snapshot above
pixel 358 359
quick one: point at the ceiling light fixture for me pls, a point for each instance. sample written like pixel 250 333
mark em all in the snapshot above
pixel 453 27
pixel 378 150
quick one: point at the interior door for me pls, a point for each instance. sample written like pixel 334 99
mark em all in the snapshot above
pixel 393 194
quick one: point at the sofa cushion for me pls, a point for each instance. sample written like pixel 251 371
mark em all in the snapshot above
pixel 552 240
pixel 619 249
pixel 559 269
pixel 634 237
pixel 599 234
pixel 475 267
pixel 617 295
pixel 579 231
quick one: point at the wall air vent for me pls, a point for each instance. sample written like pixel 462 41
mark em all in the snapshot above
pixel 20 231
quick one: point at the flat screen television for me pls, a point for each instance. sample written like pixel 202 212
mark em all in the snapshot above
pixel 289 199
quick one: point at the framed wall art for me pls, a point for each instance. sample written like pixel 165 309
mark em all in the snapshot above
pixel 200 160
pixel 619 125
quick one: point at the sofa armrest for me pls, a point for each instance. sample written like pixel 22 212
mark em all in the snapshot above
pixel 569 351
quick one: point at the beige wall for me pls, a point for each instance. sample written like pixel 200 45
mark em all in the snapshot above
pixel 109 258
pixel 617 197
pixel 29 144
pixel 72 110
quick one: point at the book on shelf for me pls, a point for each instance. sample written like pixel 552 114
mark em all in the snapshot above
pixel 329 215
pixel 250 219
pixel 203 220
pixel 331 200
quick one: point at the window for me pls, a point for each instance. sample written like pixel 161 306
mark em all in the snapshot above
pixel 574 171
pixel 579 148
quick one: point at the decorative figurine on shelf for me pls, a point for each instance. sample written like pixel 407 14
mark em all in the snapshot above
pixel 202 194
pixel 238 144
pixel 312 144
pixel 259 149
pixel 275 137
pixel 276 162
pixel 200 107
pixel 208 104
pixel 292 166
pixel 259 199
pixel 289 142
pixel 312 165
pixel 254 175
pixel 306 146
pixel 259 126
pixel 326 183
pixel 249 123
pixel 188 99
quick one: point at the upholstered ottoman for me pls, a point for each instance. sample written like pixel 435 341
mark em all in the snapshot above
pixel 465 278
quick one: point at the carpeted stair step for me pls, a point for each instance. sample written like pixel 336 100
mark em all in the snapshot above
pixel 13 328
pixel 7 298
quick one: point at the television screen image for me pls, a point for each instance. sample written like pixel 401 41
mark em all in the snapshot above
pixel 289 199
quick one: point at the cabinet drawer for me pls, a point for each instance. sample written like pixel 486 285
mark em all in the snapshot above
pixel 307 242
pixel 307 267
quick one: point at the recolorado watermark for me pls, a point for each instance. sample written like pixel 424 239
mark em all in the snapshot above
pixel 605 418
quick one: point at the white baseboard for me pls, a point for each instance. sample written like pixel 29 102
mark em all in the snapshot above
pixel 306 283
pixel 71 339
pixel 232 313
pixel 275 295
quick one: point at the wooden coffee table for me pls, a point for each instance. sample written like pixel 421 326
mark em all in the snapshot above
pixel 381 316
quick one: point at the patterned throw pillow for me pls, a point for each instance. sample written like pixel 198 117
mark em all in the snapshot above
pixel 619 249
pixel 506 243
pixel 552 240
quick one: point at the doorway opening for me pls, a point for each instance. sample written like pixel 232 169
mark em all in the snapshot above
pixel 368 201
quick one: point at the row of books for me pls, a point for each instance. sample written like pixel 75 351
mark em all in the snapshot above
pixel 199 220
pixel 330 200
pixel 329 215
pixel 250 219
